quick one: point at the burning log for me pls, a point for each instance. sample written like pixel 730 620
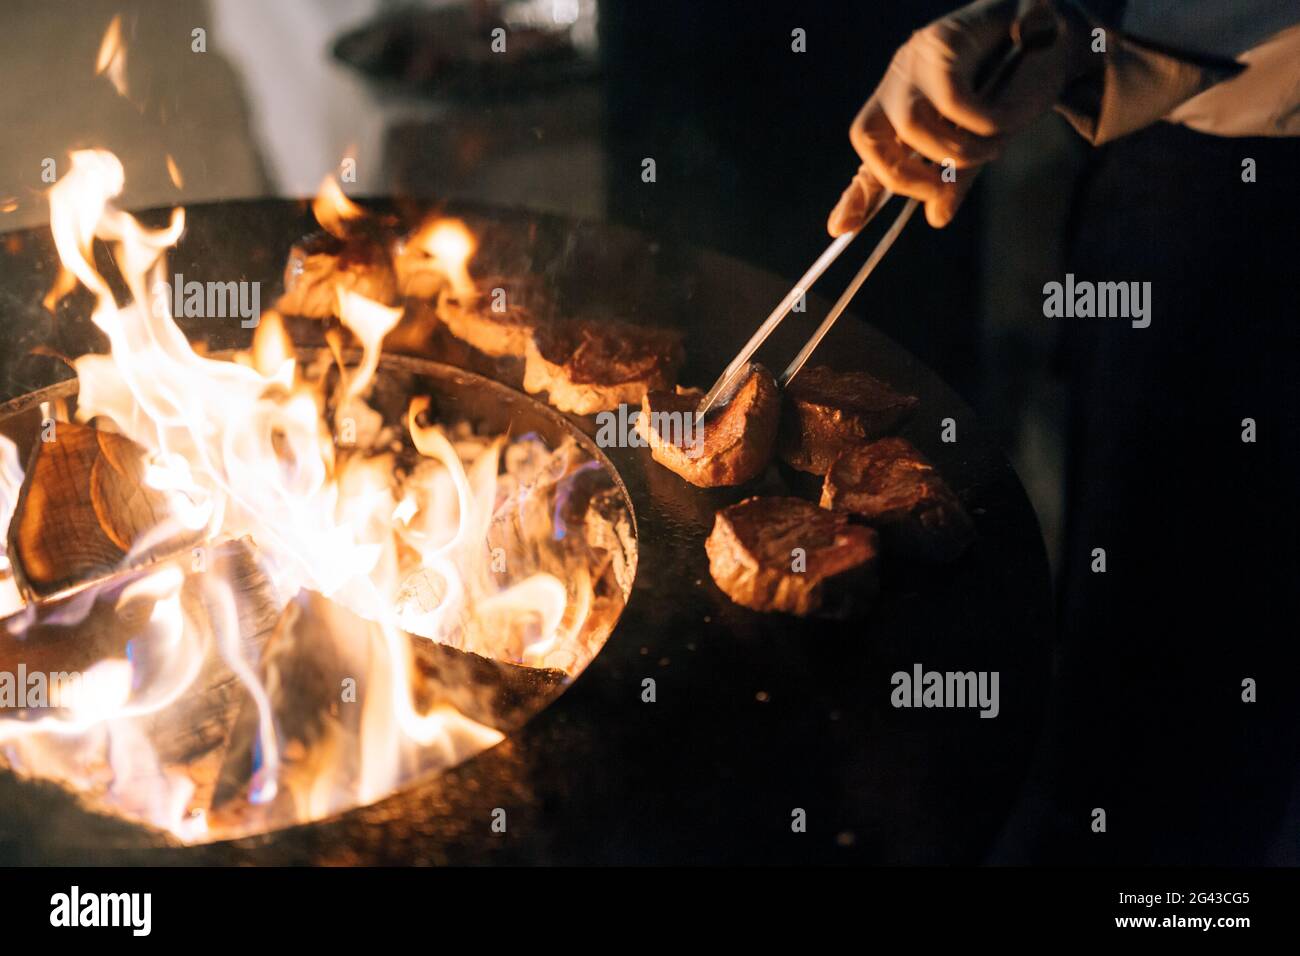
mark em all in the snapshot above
pixel 306 672
pixel 83 508
pixel 72 633
pixel 611 538
pixel 496 693
pixel 326 672
pixel 198 727
pixel 63 638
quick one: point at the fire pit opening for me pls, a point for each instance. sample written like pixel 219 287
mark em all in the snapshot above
pixel 256 589
pixel 198 686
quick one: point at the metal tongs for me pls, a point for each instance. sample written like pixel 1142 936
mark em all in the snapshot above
pixel 1034 28
pixel 736 372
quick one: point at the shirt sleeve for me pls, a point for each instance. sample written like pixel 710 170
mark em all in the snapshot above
pixel 1137 85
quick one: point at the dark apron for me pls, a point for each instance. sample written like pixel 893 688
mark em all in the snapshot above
pixel 1199 527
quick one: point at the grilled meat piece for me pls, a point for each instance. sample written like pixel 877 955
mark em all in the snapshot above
pixel 828 412
pixel 892 485
pixel 320 264
pixel 593 366
pixel 782 554
pixel 727 448
pixel 502 319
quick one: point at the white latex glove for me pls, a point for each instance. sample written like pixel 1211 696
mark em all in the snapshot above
pixel 926 110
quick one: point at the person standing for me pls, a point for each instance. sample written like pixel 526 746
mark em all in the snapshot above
pixel 1177 702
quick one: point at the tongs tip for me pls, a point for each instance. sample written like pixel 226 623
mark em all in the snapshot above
pixel 724 390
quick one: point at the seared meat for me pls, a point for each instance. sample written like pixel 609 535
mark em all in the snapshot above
pixel 589 366
pixel 894 487
pixel 727 448
pixel 782 554
pixel 498 323
pixel 320 264
pixel 827 412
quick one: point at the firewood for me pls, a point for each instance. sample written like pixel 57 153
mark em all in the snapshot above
pixel 72 633
pixel 497 693
pixel 125 506
pixel 55 538
pixel 82 507
pixel 316 669
pixel 201 721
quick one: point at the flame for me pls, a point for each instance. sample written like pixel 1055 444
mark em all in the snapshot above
pixel 101 694
pixel 369 322
pixel 174 173
pixel 449 245
pixel 111 60
pixel 333 210
pixel 11 483
pixel 245 450
pixel 272 348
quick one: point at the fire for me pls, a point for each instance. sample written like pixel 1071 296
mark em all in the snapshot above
pixel 369 322
pixel 449 245
pixel 174 173
pixel 111 60
pixel 333 210
pixel 364 551
pixel 273 349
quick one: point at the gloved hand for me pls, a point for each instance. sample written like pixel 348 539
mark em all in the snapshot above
pixel 927 108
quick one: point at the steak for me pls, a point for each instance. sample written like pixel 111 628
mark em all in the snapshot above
pixel 895 489
pixel 783 554
pixel 728 448
pixel 593 366
pixel 498 323
pixel 828 412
